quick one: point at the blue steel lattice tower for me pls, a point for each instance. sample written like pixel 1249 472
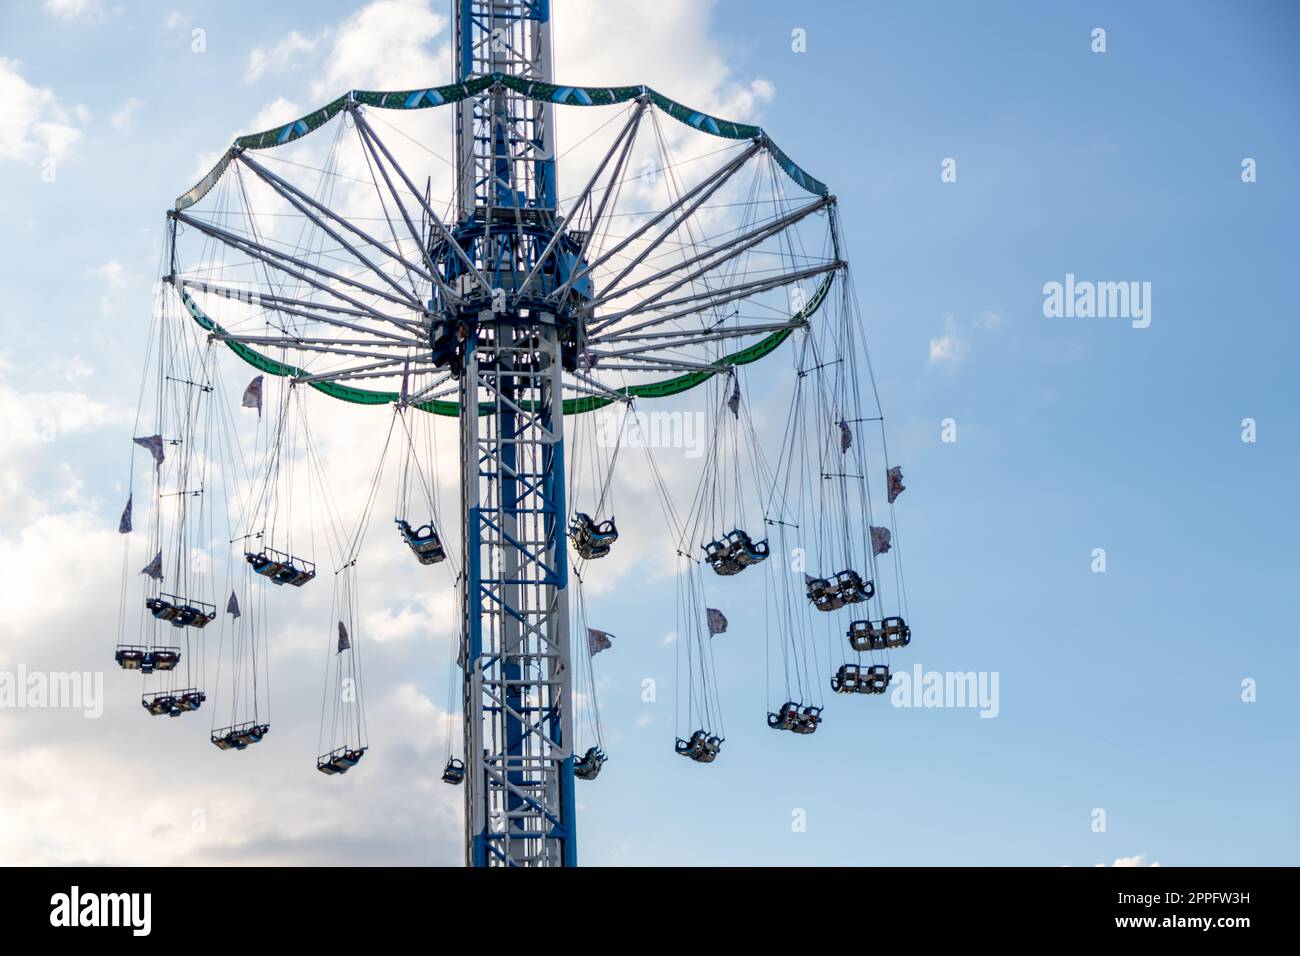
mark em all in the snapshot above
pixel 510 342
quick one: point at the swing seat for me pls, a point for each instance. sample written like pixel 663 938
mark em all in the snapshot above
pixel 744 550
pixel 159 704
pixel 164 659
pixel 852 589
pixel 132 657
pixel 296 576
pixel 423 541
pixel 280 567
pixel 855 679
pixel 720 558
pixel 878 635
pixel 240 736
pixel 587 767
pixel 173 703
pixel 823 595
pixel 263 564
pixel 702 747
pixel 197 615
pixel 785 718
pixel 454 772
pixel 592 540
pixel 795 718
pixel 161 608
pixel 188 700
pixel 179 612
pixel 809 719
pixel 340 761
pixel 846 587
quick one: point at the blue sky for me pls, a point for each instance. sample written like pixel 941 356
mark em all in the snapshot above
pixel 1119 691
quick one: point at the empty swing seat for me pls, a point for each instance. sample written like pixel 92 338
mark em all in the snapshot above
pixel 846 587
pixel 423 541
pixel 702 747
pixel 133 657
pixel 795 718
pixel 878 635
pixel 166 658
pixel 587 767
pixel 130 658
pixel 240 736
pixel 340 761
pixel 173 703
pixel 856 679
pixel 454 772
pixel 181 612
pixel 280 567
pixel 592 540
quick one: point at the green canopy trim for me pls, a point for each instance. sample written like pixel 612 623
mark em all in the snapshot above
pixel 572 406
pixel 543 92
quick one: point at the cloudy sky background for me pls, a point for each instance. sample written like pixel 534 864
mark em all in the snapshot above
pixel 1119 691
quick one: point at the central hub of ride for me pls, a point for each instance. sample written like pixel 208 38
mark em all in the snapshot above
pixel 527 273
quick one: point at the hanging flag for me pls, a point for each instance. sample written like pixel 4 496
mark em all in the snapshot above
pixel 155 445
pixel 598 641
pixel 344 643
pixel 846 436
pixel 717 621
pixel 879 540
pixel 896 486
pixel 253 395
pixel 232 606
pixel 154 567
pixel 124 524
pixel 733 402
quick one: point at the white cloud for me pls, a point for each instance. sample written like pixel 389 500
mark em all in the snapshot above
pixel 951 347
pixel 385 45
pixel 85 10
pixel 125 114
pixel 33 429
pixel 33 124
pixel 284 56
pixel 75 368
pixel 1139 860
pixel 113 275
